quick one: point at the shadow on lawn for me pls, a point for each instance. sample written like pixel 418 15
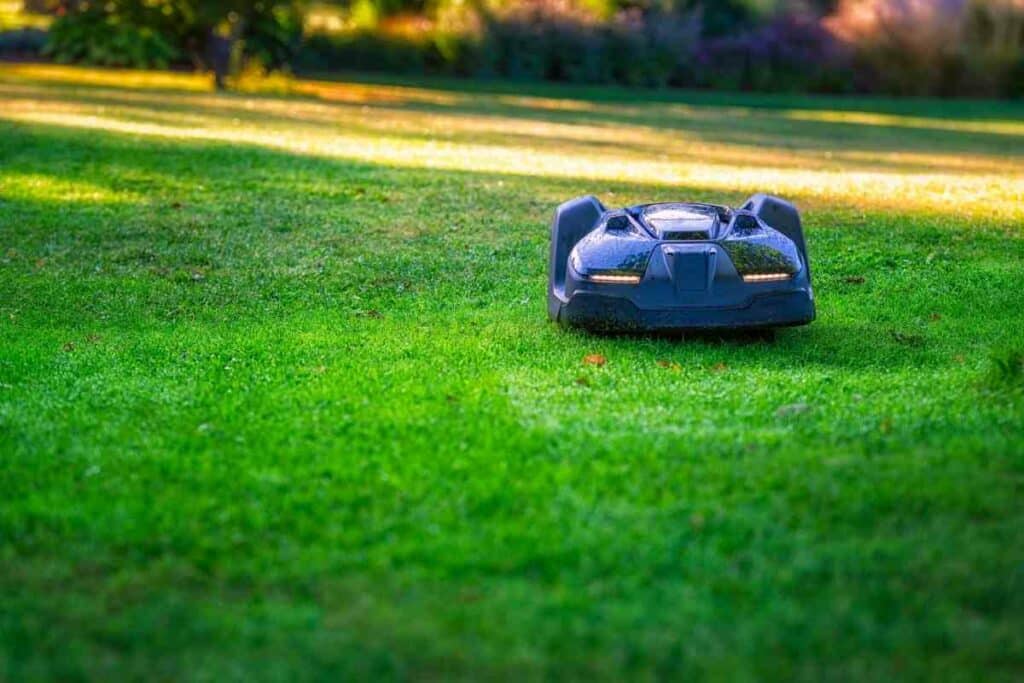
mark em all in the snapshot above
pixel 227 235
pixel 708 337
pixel 654 130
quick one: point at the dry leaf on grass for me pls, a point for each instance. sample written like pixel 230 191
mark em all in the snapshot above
pixel 792 409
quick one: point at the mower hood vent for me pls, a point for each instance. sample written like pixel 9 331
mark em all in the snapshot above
pixel 682 222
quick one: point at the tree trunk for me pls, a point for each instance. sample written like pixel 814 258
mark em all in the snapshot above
pixel 218 56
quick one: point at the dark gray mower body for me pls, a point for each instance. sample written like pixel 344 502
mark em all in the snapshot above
pixel 678 266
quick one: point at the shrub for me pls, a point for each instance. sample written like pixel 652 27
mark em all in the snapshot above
pixel 656 49
pixel 933 47
pixel 215 34
pixel 790 52
pixel 24 43
pixel 363 51
pixel 530 41
pixel 540 39
pixel 1013 79
pixel 272 34
pixel 96 37
pixel 914 47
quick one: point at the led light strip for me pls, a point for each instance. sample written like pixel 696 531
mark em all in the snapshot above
pixel 766 277
pixel 616 279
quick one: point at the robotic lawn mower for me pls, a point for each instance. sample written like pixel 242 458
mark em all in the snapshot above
pixel 678 266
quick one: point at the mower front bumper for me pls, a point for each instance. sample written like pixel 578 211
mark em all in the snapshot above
pixel 597 311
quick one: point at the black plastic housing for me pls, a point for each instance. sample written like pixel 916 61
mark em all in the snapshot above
pixel 679 266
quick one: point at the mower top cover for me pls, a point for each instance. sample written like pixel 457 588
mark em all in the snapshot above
pixel 681 265
pixel 682 221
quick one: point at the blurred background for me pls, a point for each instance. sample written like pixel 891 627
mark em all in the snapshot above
pixel 950 48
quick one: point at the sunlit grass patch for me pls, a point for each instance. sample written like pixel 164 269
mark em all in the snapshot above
pixel 1011 128
pixel 50 189
pixel 13 16
pixel 728 149
pixel 121 78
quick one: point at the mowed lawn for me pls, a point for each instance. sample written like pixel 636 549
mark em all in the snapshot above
pixel 279 399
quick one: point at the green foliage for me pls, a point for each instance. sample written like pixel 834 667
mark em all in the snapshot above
pixel 654 49
pixel 153 33
pixel 97 37
pixel 272 32
pixel 948 48
pixel 969 48
pixel 366 51
pixel 22 43
pixel 1013 79
pixel 722 17
pixel 973 48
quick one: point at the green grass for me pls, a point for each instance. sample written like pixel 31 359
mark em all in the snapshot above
pixel 279 401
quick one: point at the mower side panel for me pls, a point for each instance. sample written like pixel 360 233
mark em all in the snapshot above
pixel 572 220
pixel 781 215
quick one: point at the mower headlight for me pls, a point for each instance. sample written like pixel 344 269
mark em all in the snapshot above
pixel 616 253
pixel 614 279
pixel 760 253
pixel 767 277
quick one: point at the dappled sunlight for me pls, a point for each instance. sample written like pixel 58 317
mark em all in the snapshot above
pixel 1014 128
pixel 158 80
pixel 964 163
pixel 992 195
pixel 499 126
pixel 412 127
pixel 548 103
pixel 120 78
pixel 359 93
pixel 47 188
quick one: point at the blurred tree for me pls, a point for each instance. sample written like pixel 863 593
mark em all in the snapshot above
pixel 38 6
pixel 718 17
pixel 215 34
